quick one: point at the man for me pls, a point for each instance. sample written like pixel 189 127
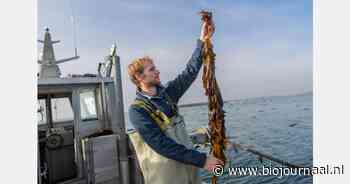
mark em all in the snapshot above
pixel 161 142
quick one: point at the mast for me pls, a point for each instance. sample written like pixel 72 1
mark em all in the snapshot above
pixel 48 62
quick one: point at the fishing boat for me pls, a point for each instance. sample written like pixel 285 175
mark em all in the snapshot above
pixel 81 126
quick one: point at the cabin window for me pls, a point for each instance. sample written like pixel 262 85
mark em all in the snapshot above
pixel 62 110
pixel 88 105
pixel 41 112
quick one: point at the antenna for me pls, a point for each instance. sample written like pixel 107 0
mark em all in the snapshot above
pixel 74 29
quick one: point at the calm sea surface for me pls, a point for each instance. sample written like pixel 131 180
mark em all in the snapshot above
pixel 278 126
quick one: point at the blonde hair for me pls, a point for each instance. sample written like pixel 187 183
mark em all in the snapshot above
pixel 137 67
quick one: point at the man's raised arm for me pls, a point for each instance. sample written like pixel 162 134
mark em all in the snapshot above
pixel 177 87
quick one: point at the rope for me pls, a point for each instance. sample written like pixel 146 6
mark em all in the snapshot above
pixel 266 156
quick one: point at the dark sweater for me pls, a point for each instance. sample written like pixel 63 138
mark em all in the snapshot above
pixel 151 132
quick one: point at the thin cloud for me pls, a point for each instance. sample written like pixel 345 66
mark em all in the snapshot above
pixel 263 48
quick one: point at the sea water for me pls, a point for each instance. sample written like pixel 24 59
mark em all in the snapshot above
pixel 279 126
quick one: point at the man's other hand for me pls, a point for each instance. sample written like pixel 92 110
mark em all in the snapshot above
pixel 212 162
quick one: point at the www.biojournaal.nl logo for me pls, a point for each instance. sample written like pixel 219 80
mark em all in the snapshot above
pixel 278 171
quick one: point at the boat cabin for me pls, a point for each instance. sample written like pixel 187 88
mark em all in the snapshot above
pixel 81 127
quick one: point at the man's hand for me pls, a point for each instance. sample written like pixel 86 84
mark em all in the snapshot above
pixel 208 28
pixel 211 163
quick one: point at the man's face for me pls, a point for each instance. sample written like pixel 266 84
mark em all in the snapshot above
pixel 150 75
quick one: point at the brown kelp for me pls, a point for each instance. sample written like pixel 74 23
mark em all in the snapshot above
pixel 212 90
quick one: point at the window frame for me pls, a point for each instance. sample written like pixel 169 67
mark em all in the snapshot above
pixel 96 105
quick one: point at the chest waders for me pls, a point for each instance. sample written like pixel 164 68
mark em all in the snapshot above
pixel 156 168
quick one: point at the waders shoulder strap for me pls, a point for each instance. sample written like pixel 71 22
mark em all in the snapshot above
pixel 158 116
pixel 173 105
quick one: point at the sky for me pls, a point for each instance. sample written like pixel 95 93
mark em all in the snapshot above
pixel 263 47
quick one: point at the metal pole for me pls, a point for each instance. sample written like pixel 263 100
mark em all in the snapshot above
pixel 118 92
pixel 123 141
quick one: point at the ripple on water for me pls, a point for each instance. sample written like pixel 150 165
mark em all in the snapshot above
pixel 268 132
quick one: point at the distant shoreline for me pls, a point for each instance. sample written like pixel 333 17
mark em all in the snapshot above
pixel 193 104
pixel 206 103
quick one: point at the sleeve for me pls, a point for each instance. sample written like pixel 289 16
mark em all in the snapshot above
pixel 177 87
pixel 159 142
